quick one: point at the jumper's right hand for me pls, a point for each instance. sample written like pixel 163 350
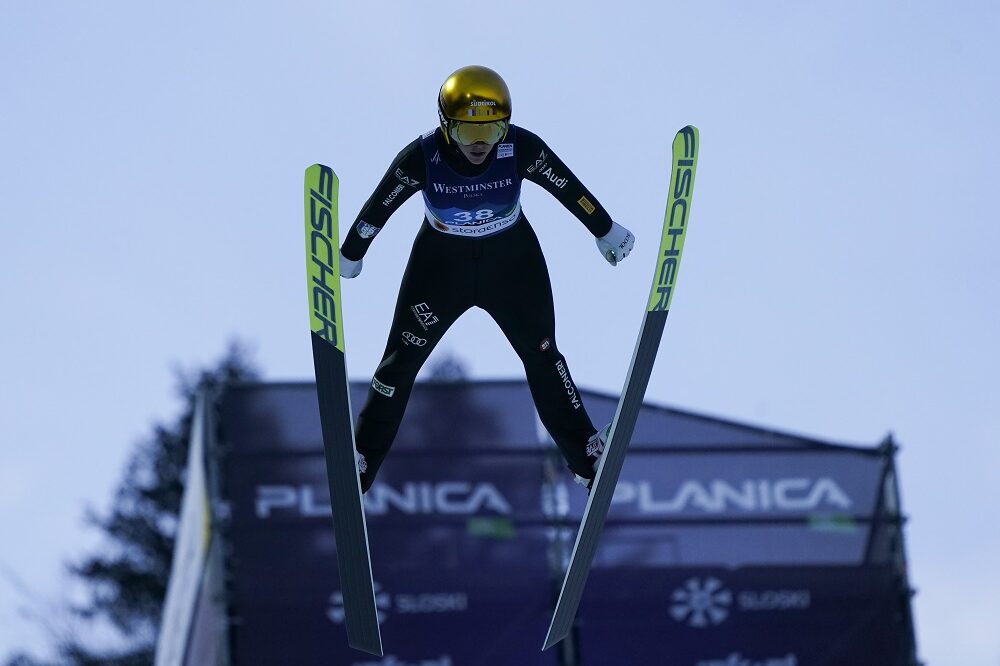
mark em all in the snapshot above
pixel 349 269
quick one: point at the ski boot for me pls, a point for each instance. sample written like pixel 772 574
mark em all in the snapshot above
pixel 359 458
pixel 595 447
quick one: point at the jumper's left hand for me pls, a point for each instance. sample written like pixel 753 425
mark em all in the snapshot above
pixel 616 244
pixel 350 269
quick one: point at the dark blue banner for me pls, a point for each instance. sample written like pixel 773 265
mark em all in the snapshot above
pixel 747 617
pixel 735 554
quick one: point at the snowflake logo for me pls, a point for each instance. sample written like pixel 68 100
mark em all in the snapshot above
pixel 700 603
pixel 383 603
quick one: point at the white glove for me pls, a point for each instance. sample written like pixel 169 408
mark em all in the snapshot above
pixel 349 269
pixel 616 244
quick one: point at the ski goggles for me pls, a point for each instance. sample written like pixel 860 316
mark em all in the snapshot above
pixel 470 133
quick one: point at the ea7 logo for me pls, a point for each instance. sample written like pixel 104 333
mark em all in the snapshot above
pixel 406 180
pixel 542 157
pixel 425 317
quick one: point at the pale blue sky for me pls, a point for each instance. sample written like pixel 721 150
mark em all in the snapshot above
pixel 839 279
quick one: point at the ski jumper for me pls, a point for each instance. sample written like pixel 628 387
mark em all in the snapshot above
pixel 475 248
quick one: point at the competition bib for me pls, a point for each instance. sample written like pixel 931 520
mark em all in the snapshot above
pixel 472 207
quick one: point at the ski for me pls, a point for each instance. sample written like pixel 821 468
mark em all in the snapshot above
pixel 350 530
pixel 685 161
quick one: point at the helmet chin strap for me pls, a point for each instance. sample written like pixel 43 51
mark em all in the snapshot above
pixel 452 146
pixel 444 121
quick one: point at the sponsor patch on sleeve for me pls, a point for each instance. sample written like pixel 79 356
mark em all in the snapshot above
pixel 586 205
pixel 392 195
pixel 384 389
pixel 366 230
pixel 505 150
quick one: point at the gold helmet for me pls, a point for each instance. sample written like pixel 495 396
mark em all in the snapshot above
pixel 474 105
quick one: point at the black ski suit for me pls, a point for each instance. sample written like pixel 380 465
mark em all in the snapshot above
pixel 475 248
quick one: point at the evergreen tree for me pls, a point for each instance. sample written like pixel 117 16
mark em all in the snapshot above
pixel 126 581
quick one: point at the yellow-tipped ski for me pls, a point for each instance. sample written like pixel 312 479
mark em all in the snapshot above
pixel 685 162
pixel 323 254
